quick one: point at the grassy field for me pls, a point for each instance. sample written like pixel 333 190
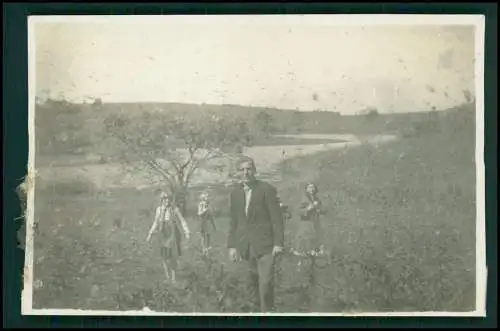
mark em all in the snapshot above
pixel 400 229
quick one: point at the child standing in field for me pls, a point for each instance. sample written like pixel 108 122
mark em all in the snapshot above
pixel 207 224
pixel 285 212
pixel 166 222
pixel 309 240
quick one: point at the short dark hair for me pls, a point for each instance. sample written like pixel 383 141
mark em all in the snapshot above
pixel 245 159
pixel 314 185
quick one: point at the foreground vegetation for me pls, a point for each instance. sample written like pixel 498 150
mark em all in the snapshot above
pixel 400 230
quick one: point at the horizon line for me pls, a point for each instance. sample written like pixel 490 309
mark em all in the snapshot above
pixel 338 113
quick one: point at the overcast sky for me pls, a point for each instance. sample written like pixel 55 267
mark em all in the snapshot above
pixel 285 64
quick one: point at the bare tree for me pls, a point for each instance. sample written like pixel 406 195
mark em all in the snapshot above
pixel 169 148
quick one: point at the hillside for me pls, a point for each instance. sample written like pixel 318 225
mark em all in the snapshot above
pixel 76 129
pixel 400 229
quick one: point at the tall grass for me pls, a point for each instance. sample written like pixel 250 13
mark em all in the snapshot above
pixel 400 232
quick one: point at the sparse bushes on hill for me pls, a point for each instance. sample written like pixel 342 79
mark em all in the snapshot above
pixel 400 229
pixel 85 128
pixel 453 122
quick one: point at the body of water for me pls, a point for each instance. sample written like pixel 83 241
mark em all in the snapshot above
pixel 267 159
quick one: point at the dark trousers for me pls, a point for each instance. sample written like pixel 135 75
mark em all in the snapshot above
pixel 262 281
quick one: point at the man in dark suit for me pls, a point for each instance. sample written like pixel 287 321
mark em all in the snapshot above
pixel 256 230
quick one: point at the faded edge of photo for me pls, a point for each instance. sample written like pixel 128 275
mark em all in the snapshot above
pixel 481 263
pixel 27 188
pixel 29 183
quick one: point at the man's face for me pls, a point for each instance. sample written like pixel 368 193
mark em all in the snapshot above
pixel 247 172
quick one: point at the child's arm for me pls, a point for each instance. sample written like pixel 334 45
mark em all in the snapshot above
pixel 155 224
pixel 213 221
pixel 319 208
pixel 286 212
pixel 306 206
pixel 305 210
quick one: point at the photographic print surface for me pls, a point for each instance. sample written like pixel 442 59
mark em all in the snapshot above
pixel 288 164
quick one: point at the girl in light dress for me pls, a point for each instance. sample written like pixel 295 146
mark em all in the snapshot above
pixel 169 222
pixel 207 224
pixel 309 239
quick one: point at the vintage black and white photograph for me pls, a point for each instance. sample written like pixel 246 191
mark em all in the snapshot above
pixel 237 165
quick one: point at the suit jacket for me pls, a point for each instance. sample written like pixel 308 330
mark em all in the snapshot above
pixel 262 228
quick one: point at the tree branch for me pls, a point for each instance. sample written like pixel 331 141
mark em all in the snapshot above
pixel 150 161
pixel 204 139
pixel 192 151
pixel 195 163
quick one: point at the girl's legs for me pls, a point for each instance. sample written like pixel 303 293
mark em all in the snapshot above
pixel 202 243
pixel 172 263
pixel 164 259
pixel 166 269
pixel 208 242
pixel 319 237
pixel 205 243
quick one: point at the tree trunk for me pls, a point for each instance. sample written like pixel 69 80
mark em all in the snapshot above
pixel 180 198
pixel 183 209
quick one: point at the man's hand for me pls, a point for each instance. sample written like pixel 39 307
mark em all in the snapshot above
pixel 233 255
pixel 188 235
pixel 277 250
